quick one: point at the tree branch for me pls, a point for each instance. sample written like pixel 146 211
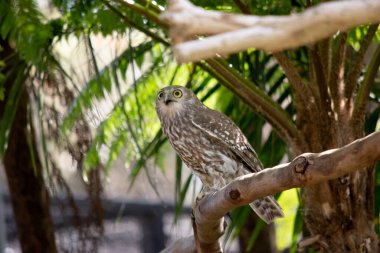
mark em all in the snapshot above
pixel 305 170
pixel 236 32
pixel 336 81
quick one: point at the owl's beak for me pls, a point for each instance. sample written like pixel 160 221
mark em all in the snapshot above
pixel 168 99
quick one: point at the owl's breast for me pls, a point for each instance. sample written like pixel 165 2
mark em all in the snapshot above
pixel 211 160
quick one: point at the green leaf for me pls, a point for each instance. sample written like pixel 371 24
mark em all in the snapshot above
pixel 2 92
pixel 108 22
pixel 7 23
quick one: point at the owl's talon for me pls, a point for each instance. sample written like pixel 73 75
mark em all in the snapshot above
pixel 199 198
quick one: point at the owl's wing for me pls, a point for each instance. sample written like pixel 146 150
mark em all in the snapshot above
pixel 217 125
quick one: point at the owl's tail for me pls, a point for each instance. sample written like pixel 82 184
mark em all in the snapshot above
pixel 267 209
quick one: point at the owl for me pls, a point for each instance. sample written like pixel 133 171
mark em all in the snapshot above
pixel 210 144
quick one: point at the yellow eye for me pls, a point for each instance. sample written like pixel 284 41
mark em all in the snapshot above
pixel 177 93
pixel 160 95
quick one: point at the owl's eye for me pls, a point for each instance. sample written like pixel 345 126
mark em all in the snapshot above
pixel 160 95
pixel 177 93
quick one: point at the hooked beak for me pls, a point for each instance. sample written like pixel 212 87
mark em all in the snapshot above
pixel 167 99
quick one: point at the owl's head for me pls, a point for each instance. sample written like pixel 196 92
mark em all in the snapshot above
pixel 175 99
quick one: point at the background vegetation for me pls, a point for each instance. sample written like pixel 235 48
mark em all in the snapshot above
pixel 47 103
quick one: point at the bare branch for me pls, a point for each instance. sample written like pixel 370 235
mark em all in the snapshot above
pixel 305 170
pixel 236 32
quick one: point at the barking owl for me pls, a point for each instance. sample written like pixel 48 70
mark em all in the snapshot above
pixel 210 144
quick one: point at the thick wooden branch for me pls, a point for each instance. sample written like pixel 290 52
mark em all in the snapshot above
pixel 305 170
pixel 235 32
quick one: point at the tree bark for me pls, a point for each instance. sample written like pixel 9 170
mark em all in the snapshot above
pixel 29 195
pixel 341 211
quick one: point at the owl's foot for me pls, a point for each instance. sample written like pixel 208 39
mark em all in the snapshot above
pixel 200 196
pixel 204 192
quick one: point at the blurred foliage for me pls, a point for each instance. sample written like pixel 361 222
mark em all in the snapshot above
pixel 131 79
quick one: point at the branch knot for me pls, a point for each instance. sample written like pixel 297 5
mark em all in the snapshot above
pixel 234 194
pixel 300 164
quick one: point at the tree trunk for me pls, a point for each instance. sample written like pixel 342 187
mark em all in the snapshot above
pixel 340 211
pixel 30 198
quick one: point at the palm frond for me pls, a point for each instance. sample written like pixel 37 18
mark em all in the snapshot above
pixel 101 84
